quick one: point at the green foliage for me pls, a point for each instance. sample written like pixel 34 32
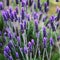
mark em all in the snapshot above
pixel 1 22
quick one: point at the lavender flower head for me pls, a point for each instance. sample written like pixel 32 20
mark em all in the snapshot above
pixel 0 33
pixel 25 50
pixel 58 38
pixel 23 3
pixel 36 25
pixel 1 5
pixel 10 58
pixel 44 32
pixel 22 27
pixel 32 42
pixel 16 9
pixel 51 41
pixel 7 49
pixel 44 42
pixel 17 55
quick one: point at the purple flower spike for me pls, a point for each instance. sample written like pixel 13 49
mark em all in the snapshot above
pixel 18 39
pixel 36 25
pixel 16 9
pixel 58 38
pixel 44 42
pixel 4 16
pixel 10 44
pixel 1 44
pixel 28 17
pixel 44 32
pixel 22 13
pixel 52 18
pixel 35 15
pixel 1 5
pixel 10 9
pixel 12 16
pixel 0 33
pixel 25 50
pixel 6 54
pixel 23 3
pixel 21 27
pixel 29 44
pixel 25 24
pixel 32 42
pixel 48 2
pixel 10 58
pixel 7 49
pixel 45 7
pixel 51 41
pixel 17 55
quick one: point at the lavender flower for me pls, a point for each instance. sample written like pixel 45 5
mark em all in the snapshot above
pixel 45 7
pixel 1 44
pixel 6 54
pixel 58 38
pixel 48 2
pixel 23 3
pixel 4 16
pixel 16 9
pixel 44 32
pixel 25 24
pixel 44 42
pixel 52 18
pixel 51 41
pixel 10 58
pixel 18 39
pixel 7 49
pixel 12 16
pixel 35 15
pixel 28 17
pixel 17 55
pixel 10 9
pixel 0 33
pixel 21 27
pixel 36 25
pixel 32 42
pixel 22 13
pixel 58 16
pixel 29 44
pixel 1 5
pixel 25 50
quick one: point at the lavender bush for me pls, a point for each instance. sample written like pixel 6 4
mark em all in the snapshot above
pixel 28 32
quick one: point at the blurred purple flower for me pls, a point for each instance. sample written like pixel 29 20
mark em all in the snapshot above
pixel 44 32
pixel 23 3
pixel 17 55
pixel 21 27
pixel 44 42
pixel 0 33
pixel 51 41
pixel 6 54
pixel 36 25
pixel 25 50
pixel 16 9
pixel 25 24
pixel 58 38
pixel 1 5
pixel 32 42
pixel 10 58
pixel 7 49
